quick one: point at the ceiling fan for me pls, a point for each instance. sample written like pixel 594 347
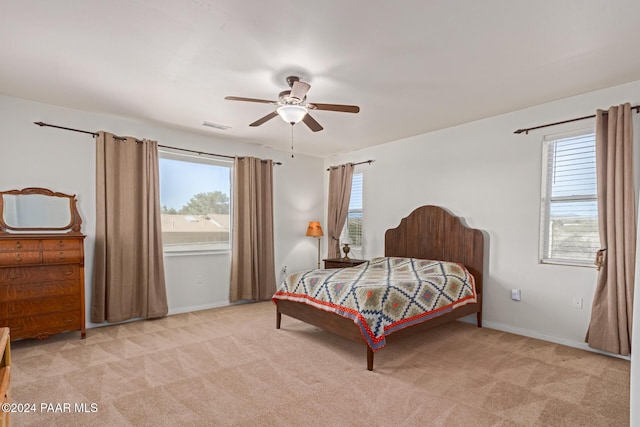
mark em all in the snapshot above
pixel 292 107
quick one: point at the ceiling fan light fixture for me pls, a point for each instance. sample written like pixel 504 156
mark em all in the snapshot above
pixel 292 113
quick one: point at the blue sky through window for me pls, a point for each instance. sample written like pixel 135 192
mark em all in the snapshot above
pixel 355 202
pixel 181 180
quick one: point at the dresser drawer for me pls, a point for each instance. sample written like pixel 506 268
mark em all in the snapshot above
pixel 20 291
pixel 61 244
pixel 20 258
pixel 44 324
pixel 18 245
pixel 42 305
pixel 38 274
pixel 53 257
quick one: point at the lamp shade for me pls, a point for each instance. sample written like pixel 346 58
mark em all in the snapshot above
pixel 292 113
pixel 314 229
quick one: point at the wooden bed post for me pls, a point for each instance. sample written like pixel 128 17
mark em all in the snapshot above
pixel 278 318
pixel 369 359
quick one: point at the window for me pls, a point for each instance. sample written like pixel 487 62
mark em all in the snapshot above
pixel 352 231
pixel 195 203
pixel 569 229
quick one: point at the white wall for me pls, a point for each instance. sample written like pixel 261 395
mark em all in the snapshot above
pixel 64 161
pixel 483 172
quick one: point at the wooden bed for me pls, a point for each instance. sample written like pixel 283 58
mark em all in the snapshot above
pixel 429 232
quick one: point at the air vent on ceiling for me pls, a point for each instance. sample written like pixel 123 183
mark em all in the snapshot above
pixel 216 125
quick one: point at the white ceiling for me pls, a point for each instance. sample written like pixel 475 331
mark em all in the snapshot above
pixel 411 66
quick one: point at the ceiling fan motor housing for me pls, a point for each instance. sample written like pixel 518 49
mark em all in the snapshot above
pixel 292 79
pixel 286 98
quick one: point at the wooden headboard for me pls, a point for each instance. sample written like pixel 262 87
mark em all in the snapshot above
pixel 430 232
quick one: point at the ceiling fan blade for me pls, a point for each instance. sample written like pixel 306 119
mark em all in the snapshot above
pixel 334 107
pixel 312 123
pixel 238 98
pixel 264 119
pixel 299 89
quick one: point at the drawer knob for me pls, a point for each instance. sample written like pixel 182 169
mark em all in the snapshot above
pixel 18 244
pixel 68 320
pixel 60 243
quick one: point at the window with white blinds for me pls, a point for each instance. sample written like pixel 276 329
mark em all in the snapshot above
pixel 352 231
pixel 569 229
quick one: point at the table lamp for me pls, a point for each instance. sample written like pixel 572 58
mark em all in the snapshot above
pixel 315 230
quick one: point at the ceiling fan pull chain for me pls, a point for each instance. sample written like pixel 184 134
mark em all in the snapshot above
pixel 292 140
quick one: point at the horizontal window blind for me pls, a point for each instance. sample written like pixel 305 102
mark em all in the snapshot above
pixel 352 231
pixel 569 204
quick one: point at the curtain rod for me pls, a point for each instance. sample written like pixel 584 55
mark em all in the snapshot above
pixel 139 141
pixel 359 163
pixel 526 131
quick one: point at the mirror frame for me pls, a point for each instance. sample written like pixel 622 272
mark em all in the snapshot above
pixel 73 226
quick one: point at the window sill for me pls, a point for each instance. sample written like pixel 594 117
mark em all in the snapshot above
pixel 567 263
pixel 197 252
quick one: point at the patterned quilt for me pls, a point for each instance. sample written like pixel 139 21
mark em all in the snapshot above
pixel 384 295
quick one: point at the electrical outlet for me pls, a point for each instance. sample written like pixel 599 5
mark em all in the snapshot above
pixel 284 270
pixel 516 294
pixel 199 280
pixel 577 302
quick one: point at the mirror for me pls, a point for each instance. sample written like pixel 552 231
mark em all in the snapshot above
pixel 38 209
pixel 35 211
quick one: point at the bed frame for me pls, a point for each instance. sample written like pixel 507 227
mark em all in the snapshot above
pixel 429 232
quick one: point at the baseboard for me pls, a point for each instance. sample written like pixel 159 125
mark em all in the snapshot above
pixel 189 309
pixel 171 312
pixel 531 334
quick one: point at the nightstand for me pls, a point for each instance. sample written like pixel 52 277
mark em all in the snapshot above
pixel 342 263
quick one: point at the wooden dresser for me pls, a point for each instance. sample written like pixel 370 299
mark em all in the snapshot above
pixel 42 284
pixel 5 374
pixel 41 263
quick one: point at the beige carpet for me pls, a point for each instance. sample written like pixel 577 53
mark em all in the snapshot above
pixel 230 366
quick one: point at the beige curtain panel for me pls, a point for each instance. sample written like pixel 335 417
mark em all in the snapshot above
pixel 129 278
pixel 253 274
pixel 339 196
pixel 611 313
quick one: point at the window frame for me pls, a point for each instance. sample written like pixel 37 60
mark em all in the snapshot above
pixel 546 198
pixel 345 231
pixel 201 159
